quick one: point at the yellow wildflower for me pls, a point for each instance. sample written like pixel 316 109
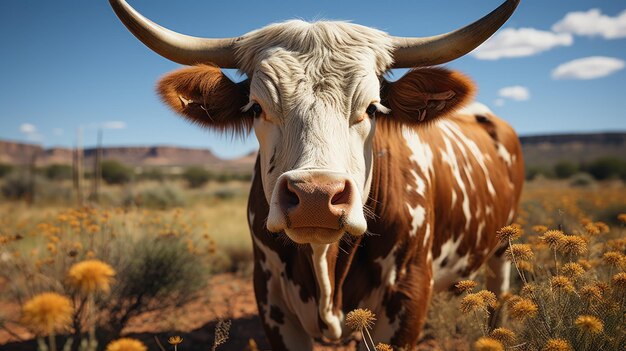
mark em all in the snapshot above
pixel 562 283
pixel 540 229
pixel 466 285
pixel 126 344
pixel 504 335
pixel 613 258
pixel 557 345
pixel 47 312
pixel 488 344
pixel 472 302
pixel 572 245
pixel 523 308
pixel 552 237
pixel 175 340
pixel 520 252
pixel 589 324
pixel 360 319
pixel 383 347
pixel 619 280
pixel 572 270
pixel 509 233
pixel 90 276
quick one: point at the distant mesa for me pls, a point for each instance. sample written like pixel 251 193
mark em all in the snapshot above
pixel 539 150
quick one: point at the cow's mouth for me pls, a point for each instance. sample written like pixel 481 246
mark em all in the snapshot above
pixel 314 235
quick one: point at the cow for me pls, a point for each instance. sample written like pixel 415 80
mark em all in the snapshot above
pixel 366 193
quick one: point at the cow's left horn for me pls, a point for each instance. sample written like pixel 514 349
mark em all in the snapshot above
pixel 435 50
pixel 184 49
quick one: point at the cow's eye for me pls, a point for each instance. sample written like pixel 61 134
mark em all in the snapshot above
pixel 371 109
pixel 256 110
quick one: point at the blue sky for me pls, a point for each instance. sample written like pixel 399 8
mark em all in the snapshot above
pixel 556 66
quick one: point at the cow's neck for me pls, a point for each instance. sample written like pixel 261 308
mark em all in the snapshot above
pixel 340 276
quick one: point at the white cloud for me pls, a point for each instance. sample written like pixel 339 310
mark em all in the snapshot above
pixel 511 42
pixel 113 125
pixel 588 68
pixel 27 128
pixel 593 23
pixel 516 92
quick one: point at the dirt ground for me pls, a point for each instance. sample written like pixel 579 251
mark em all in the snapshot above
pixel 231 297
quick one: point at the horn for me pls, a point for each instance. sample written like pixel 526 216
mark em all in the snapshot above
pixel 435 50
pixel 180 48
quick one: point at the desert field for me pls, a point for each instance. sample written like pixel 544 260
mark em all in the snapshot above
pixel 157 259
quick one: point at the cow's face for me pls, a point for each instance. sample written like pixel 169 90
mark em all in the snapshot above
pixel 313 103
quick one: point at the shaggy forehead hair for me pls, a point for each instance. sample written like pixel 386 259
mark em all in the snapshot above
pixel 321 46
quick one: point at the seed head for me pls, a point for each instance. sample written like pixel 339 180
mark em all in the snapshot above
pixel 552 238
pixel 563 283
pixel 466 285
pixel 488 344
pixel 504 335
pixel 591 293
pixel 175 340
pixel 90 276
pixel 472 302
pixel 613 258
pixel 520 252
pixel 572 270
pixel 602 227
pixel 572 245
pixel 383 347
pixel 360 319
pixel 619 280
pixel 557 345
pixel 589 324
pixel 592 229
pixel 528 289
pixel 509 233
pixel 47 312
pixel 488 297
pixel 523 308
pixel 622 218
pixel 539 228
pixel 126 344
pixel 526 266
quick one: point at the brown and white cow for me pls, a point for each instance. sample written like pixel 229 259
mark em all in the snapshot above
pixel 366 193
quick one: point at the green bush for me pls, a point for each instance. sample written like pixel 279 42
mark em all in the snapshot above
pixel 20 187
pixel 114 172
pixel 58 172
pixel 157 197
pixel 565 169
pixel 538 171
pixel 607 167
pixel 5 169
pixel 582 179
pixel 196 176
pixel 153 274
pixel 152 174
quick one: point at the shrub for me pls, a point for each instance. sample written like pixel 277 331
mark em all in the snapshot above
pixel 196 176
pixel 5 169
pixel 534 172
pixel 582 179
pixel 152 174
pixel 58 172
pixel 607 167
pixel 20 187
pixel 114 172
pixel 565 169
pixel 157 197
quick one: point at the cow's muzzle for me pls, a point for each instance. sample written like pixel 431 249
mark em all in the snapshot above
pixel 316 206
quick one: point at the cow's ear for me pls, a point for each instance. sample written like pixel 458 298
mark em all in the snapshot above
pixel 424 94
pixel 205 96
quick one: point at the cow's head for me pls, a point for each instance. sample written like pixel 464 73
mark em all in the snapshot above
pixel 312 94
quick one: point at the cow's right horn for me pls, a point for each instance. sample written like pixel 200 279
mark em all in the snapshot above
pixel 184 49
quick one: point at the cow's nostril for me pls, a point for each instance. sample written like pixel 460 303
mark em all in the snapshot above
pixel 288 197
pixel 341 197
